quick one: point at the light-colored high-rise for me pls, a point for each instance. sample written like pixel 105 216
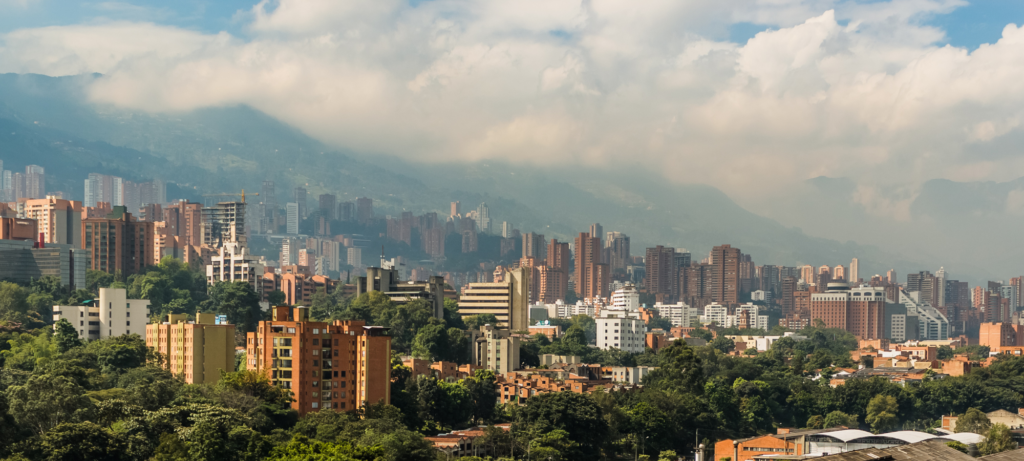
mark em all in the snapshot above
pixel 623 330
pixel 292 212
pixel 59 220
pixel 854 273
pixel 508 301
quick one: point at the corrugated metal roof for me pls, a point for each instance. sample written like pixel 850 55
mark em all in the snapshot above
pixel 1005 456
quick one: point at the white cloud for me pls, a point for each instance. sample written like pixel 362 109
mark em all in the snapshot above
pixel 600 82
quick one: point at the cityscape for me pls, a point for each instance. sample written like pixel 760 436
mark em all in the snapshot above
pixel 463 230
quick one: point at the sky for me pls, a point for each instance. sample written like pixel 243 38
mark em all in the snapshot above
pixel 750 96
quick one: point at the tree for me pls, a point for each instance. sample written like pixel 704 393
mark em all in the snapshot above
pixel 945 353
pixel 816 422
pixel 239 302
pixel 323 305
pixel 974 420
pixel 576 414
pixel 13 302
pixel 998 440
pixel 659 323
pixel 702 334
pixel 432 343
pixel 881 413
pixel 958 446
pixel 722 344
pixel 474 322
pixel 84 441
pixel 452 318
pixel 276 298
pixel 301 448
pixel 483 394
pixel 66 336
pixel 448 404
pixel 680 369
pixel 46 401
pixel 838 418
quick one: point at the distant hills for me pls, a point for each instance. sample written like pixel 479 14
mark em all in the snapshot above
pixel 48 121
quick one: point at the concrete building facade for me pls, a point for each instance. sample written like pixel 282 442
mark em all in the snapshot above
pixel 111 315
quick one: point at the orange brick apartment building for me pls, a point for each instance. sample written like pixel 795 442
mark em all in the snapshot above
pixel 341 365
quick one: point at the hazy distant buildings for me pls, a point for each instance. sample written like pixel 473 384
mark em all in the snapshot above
pixel 354 257
pixel 725 261
pixel 328 207
pixel 300 198
pixel 662 278
pixel 508 300
pixel 858 310
pixel 617 249
pixel 592 276
pixel 483 218
pixel 534 246
pixel 291 211
pixel 364 209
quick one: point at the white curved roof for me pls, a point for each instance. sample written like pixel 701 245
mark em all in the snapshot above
pixel 908 436
pixel 847 435
pixel 965 437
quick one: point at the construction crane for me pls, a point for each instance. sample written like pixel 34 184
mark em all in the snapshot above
pixel 230 195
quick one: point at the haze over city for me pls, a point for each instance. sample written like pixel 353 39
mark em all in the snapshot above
pixel 544 230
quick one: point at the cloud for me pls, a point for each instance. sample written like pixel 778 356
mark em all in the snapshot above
pixel 837 88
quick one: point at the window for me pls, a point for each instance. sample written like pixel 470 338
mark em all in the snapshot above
pixel 291 329
pixel 316 351
pixel 316 404
pixel 129 323
pixel 128 314
pixel 81 314
pixel 316 342
pixel 316 331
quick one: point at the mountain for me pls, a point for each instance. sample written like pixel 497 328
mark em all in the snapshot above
pixel 225 149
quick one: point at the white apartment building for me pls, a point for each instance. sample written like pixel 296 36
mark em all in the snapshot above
pixel 111 315
pixel 292 218
pixel 680 313
pixel 629 375
pixel 355 257
pixel 233 263
pixel 580 308
pixel 932 325
pixel 618 329
pixel 626 298
pixel 755 319
pixel 717 314
pixel 761 295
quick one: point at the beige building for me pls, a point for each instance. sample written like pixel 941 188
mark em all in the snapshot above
pixel 198 350
pixel 508 301
pixel 111 315
pixel 494 349
pixel 60 221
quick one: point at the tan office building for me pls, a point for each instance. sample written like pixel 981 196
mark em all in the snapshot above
pixel 508 301
pixel 198 350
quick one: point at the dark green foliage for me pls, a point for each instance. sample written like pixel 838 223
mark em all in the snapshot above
pixel 66 336
pixel 238 301
pixel 578 415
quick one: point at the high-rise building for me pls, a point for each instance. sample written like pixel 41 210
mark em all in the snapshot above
pixel 184 219
pixel 104 188
pixel 346 211
pixel 268 217
pixel 839 273
pixel 343 365
pixel 455 210
pixel 110 316
pixel 35 182
pixel 59 220
pixel 725 275
pixel 364 209
pixel 534 246
pixel 327 205
pixel 224 223
pixel 483 218
pixel 854 272
pixel 617 244
pixel 891 277
pixel 925 283
pixel 662 278
pixel 300 198
pixel 591 275
pixel 199 350
pixel 119 243
pixel 354 257
pixel 788 288
pixel 508 300
pixel 807 274
pixel 291 211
